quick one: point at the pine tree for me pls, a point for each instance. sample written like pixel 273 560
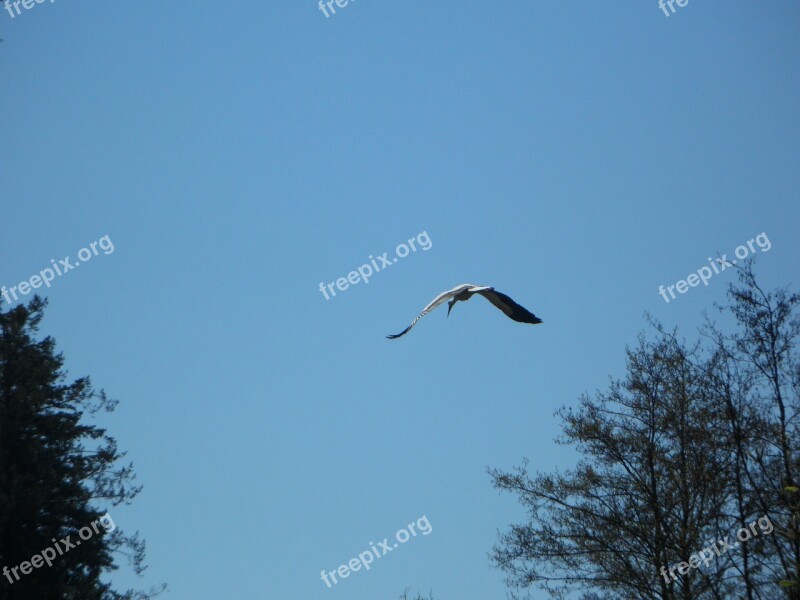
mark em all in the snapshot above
pixel 58 474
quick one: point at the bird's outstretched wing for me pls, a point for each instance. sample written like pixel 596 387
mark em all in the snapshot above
pixel 509 307
pixel 440 299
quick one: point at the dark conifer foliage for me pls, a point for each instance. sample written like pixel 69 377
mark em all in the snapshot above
pixel 58 472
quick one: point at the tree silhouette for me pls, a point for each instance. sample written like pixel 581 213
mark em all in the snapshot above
pixel 692 445
pixel 405 596
pixel 56 472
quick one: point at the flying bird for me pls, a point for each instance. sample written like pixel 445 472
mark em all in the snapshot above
pixel 464 292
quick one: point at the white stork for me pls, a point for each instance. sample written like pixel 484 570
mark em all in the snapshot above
pixel 464 292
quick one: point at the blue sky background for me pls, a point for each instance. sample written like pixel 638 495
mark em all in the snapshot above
pixel 575 155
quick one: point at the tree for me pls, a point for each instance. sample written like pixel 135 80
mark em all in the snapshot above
pixel 419 596
pixel 693 444
pixel 759 369
pixel 55 471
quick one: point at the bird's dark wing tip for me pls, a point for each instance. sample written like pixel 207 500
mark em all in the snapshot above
pixel 397 335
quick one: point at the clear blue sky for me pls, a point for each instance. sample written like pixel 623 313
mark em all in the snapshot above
pixel 576 155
